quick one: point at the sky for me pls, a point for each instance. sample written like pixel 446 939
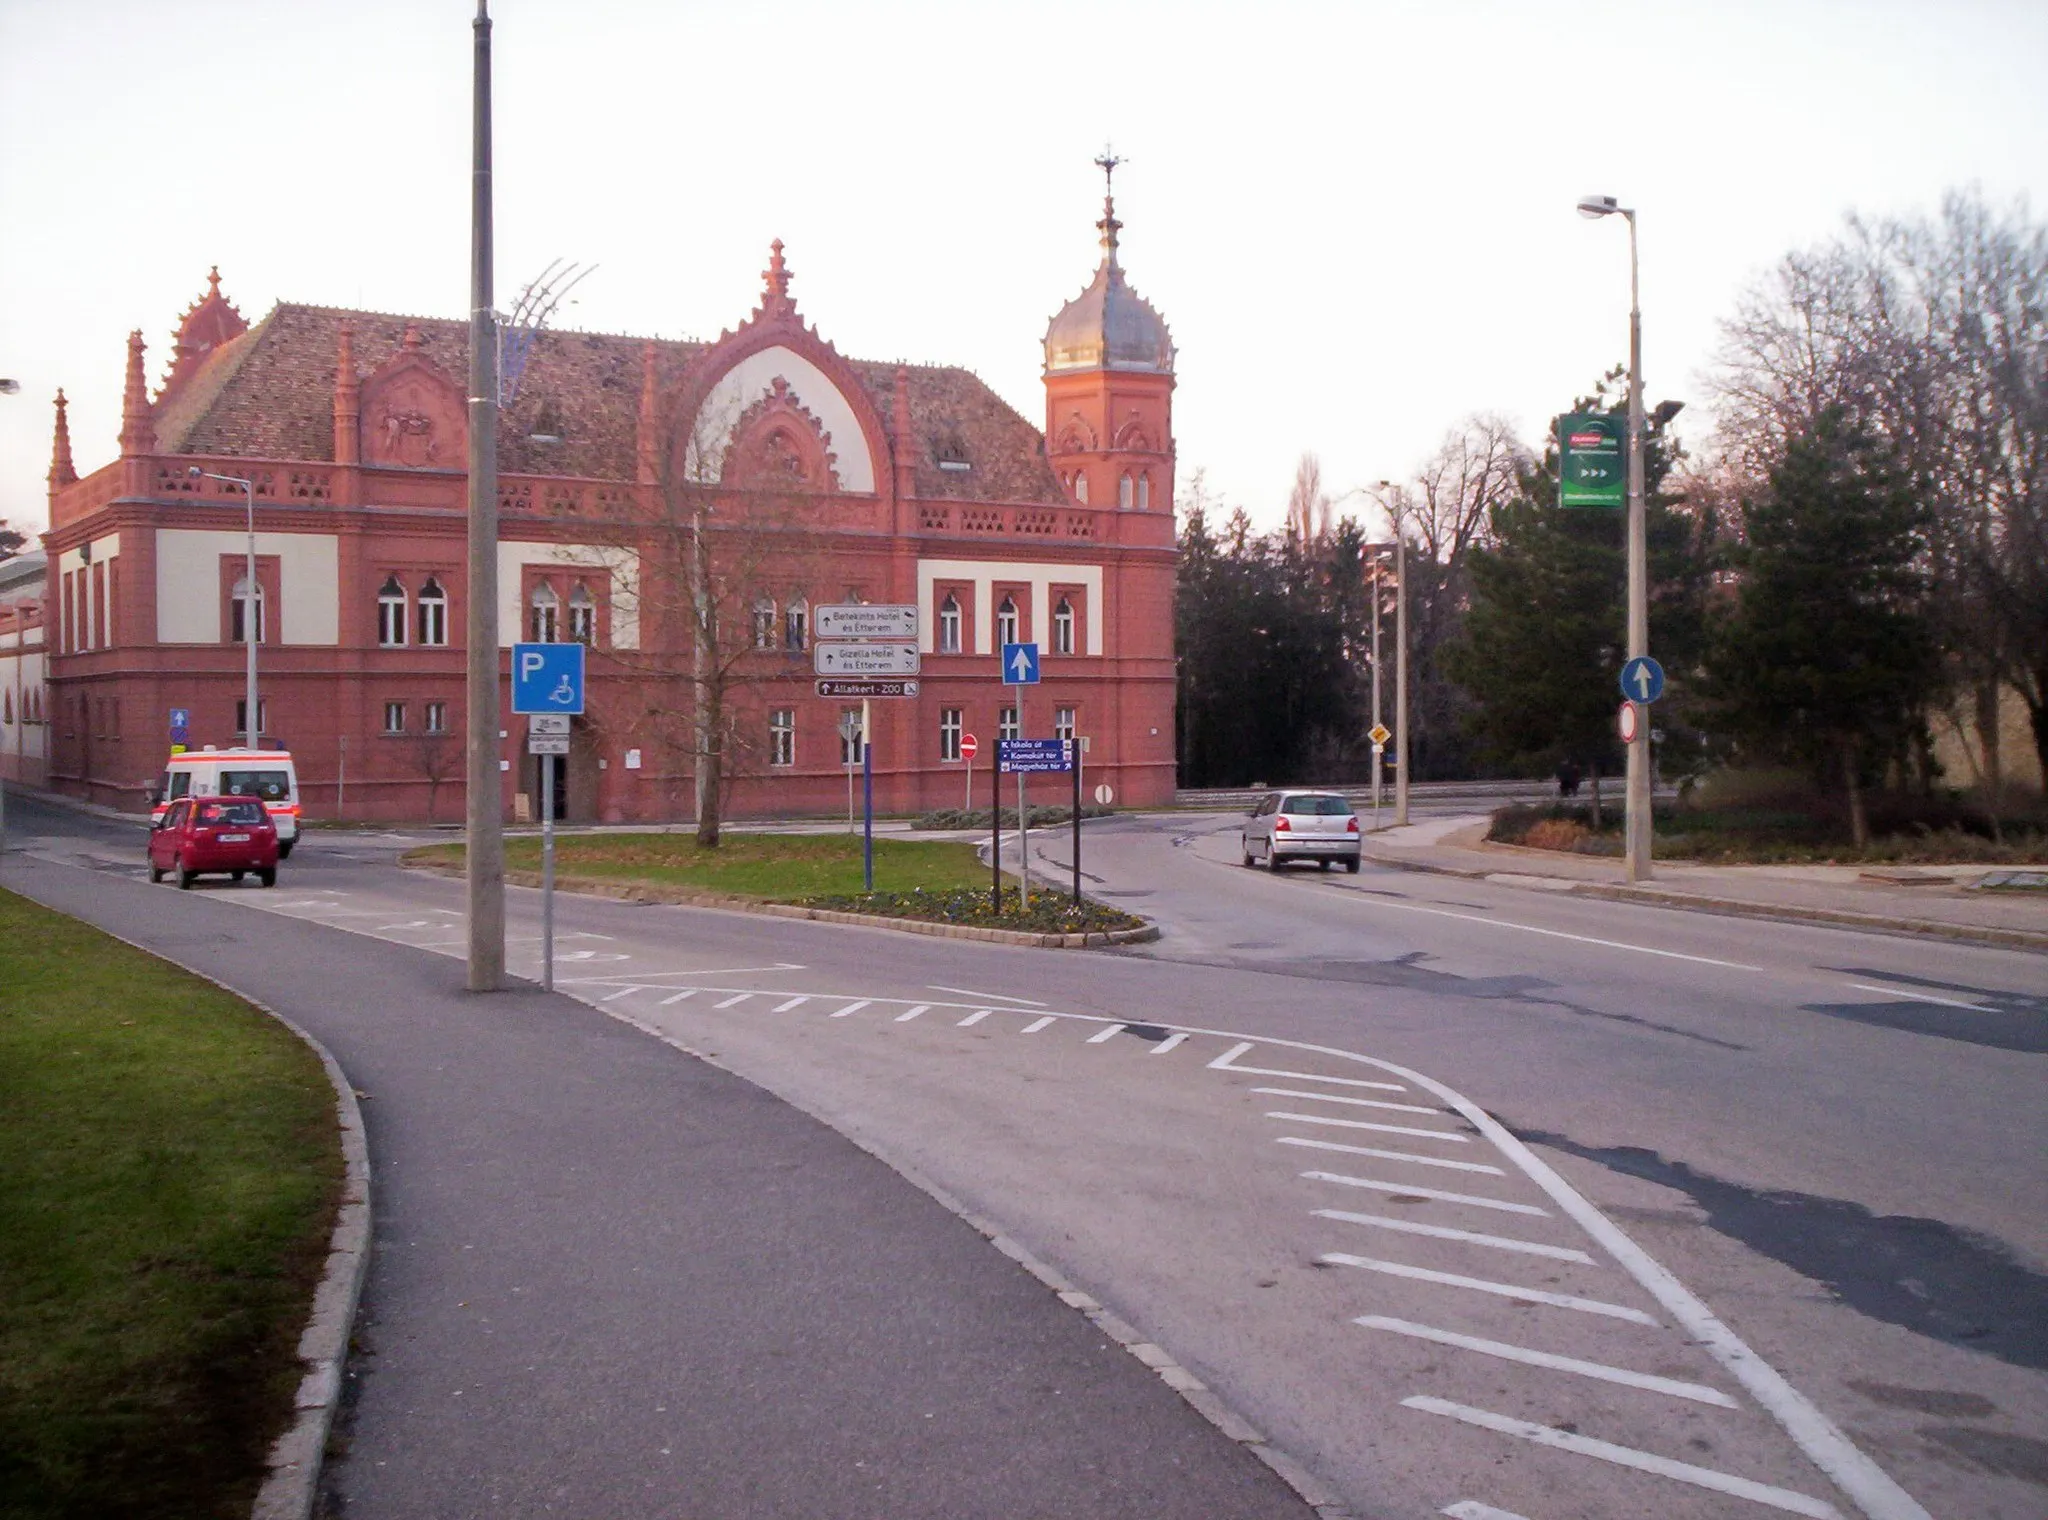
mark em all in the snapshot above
pixel 1357 218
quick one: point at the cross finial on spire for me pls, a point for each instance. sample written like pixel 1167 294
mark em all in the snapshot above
pixel 777 272
pixel 213 281
pixel 1109 226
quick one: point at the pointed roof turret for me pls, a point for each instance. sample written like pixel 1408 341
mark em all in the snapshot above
pixel 209 322
pixel 62 471
pixel 138 428
pixel 1109 325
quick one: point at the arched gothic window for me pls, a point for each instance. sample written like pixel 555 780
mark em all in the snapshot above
pixel 1063 627
pixel 1124 494
pixel 433 613
pixel 241 616
pixel 949 625
pixel 796 625
pixel 1006 622
pixel 582 615
pixel 546 621
pixel 391 612
pixel 1081 487
pixel 1144 493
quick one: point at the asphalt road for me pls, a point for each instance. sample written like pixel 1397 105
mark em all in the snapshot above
pixel 1270 1142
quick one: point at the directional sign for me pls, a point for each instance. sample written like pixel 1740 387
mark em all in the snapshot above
pixel 866 688
pixel 858 620
pixel 969 746
pixel 1020 664
pixel 547 744
pixel 1642 679
pixel 864 659
pixel 181 717
pixel 547 678
pixel 1031 756
pixel 1592 463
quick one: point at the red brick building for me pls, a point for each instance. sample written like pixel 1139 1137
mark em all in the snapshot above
pixel 818 479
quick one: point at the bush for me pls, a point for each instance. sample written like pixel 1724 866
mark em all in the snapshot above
pixel 1905 829
pixel 1039 817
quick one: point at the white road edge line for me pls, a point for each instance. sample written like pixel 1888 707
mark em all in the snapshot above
pixel 1472 1509
pixel 1497 1289
pixel 1907 995
pixel 1445 1232
pixel 989 997
pixel 1423 1192
pixel 1288 1092
pixel 1699 1393
pixel 1628 1456
pixel 1384 1129
pixel 1583 939
pixel 1366 1150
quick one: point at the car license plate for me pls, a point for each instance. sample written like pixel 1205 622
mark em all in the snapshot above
pixel 234 839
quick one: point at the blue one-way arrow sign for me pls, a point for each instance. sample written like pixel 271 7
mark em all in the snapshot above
pixel 1642 679
pixel 1020 664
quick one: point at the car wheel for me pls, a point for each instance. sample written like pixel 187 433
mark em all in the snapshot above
pixel 1244 847
pixel 156 872
pixel 1272 859
pixel 268 876
pixel 238 875
pixel 1351 865
pixel 185 877
pixel 284 847
pixel 1323 865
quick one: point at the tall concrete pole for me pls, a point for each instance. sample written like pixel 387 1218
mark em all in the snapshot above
pixel 1400 677
pixel 484 812
pixel 1638 812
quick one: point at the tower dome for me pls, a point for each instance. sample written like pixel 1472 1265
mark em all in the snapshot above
pixel 1108 325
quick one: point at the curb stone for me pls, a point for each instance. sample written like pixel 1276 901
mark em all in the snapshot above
pixel 292 1474
pixel 1318 1495
pixel 643 892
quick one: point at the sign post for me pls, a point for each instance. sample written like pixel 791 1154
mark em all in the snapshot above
pixel 1027 757
pixel 1074 746
pixel 1591 469
pixel 1020 669
pixel 969 748
pixel 849 740
pixel 547 688
pixel 867 802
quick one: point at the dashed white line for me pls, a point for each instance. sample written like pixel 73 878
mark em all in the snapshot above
pixel 906 1016
pixel 1405 1108
pixel 1366 1150
pixel 622 992
pixel 1472 1509
pixel 1699 1393
pixel 1384 1129
pixel 1109 1033
pixel 1168 1043
pixel 1628 1456
pixel 1915 996
pixel 1037 1024
pixel 784 1007
pixel 854 1007
pixel 1469 1237
pixel 738 997
pixel 1498 1289
pixel 988 997
pixel 1407 1191
pixel 687 992
pixel 973 1018
pixel 1583 939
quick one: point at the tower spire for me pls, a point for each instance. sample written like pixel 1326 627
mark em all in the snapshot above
pixel 1109 226
pixel 62 471
pixel 138 431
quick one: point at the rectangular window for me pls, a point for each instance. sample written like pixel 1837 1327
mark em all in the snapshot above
pixel 433 616
pixel 1006 724
pixel 391 616
pixel 782 736
pixel 1063 722
pixel 849 736
pixel 242 716
pixel 394 717
pixel 437 717
pixel 949 733
pixel 99 605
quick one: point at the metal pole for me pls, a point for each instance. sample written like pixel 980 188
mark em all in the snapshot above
pixel 1378 749
pixel 1023 825
pixel 341 782
pixel 484 823
pixel 995 813
pixel 1400 678
pixel 252 625
pixel 547 873
pixel 1074 757
pixel 1638 812
pixel 867 803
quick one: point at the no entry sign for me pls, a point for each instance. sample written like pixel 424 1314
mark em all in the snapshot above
pixel 969 746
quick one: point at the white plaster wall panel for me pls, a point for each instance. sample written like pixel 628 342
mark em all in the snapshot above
pixel 750 379
pixel 983 573
pixel 618 569
pixel 188 584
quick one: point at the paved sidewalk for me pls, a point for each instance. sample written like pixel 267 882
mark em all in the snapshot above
pixel 1941 901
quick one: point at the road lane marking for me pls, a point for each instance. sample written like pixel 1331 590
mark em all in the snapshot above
pixel 989 997
pixel 1628 1456
pixel 1366 1150
pixel 1037 1024
pixel 712 971
pixel 739 997
pixel 1225 1062
pixel 1168 1043
pixel 973 1018
pixel 622 992
pixel 687 992
pixel 1406 1191
pixel 1383 1129
pixel 1472 1509
pixel 1914 996
pixel 1288 1092
pixel 1583 939
pixel 905 1018
pixel 1699 1393
pixel 784 1007
pixel 1105 1034
pixel 1469 1237
pixel 855 1007
pixel 1498 1289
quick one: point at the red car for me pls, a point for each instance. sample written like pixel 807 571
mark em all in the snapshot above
pixel 200 834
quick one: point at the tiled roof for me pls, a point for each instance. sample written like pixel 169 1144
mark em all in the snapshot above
pixel 269 394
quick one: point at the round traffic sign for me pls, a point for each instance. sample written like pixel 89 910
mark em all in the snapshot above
pixel 1642 679
pixel 969 746
pixel 1629 723
pixel 1105 794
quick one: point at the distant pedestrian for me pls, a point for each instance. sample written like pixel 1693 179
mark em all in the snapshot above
pixel 1568 774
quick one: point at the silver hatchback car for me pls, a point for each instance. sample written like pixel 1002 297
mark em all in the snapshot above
pixel 1318 826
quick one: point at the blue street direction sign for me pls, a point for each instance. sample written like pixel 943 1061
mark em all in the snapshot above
pixel 1031 756
pixel 1020 664
pixel 181 717
pixel 547 678
pixel 1642 679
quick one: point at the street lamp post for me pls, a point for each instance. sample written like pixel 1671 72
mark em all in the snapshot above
pixel 1638 750
pixel 1380 490
pixel 252 617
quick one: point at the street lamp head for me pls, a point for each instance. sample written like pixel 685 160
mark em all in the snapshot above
pixel 194 471
pixel 1595 206
pixel 1665 411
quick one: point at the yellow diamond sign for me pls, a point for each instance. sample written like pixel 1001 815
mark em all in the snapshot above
pixel 1379 734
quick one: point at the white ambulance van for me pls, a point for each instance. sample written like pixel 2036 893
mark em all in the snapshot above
pixel 265 774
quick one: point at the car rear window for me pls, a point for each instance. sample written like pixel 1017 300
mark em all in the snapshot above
pixel 232 812
pixel 271 786
pixel 1316 807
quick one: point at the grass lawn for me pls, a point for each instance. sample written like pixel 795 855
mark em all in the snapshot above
pixel 169 1172
pixel 933 879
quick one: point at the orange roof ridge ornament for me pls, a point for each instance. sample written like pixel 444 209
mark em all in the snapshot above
pixel 411 342
pixel 62 471
pixel 208 323
pixel 775 298
pixel 1109 226
pixel 138 430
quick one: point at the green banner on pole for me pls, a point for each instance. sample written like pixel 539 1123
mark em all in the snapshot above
pixel 1592 459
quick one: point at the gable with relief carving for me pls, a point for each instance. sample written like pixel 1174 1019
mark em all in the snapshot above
pixel 413 415
pixel 777 444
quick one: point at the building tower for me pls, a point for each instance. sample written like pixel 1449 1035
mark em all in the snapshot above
pixel 1109 385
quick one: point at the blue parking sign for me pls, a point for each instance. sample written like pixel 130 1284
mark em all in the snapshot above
pixel 547 678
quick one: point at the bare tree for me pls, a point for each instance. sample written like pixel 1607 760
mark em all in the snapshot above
pixel 437 758
pixel 1308 504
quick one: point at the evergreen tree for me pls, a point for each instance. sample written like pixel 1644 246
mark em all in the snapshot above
pixel 1826 658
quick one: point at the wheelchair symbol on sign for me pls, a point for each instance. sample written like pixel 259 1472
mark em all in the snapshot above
pixel 564 694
